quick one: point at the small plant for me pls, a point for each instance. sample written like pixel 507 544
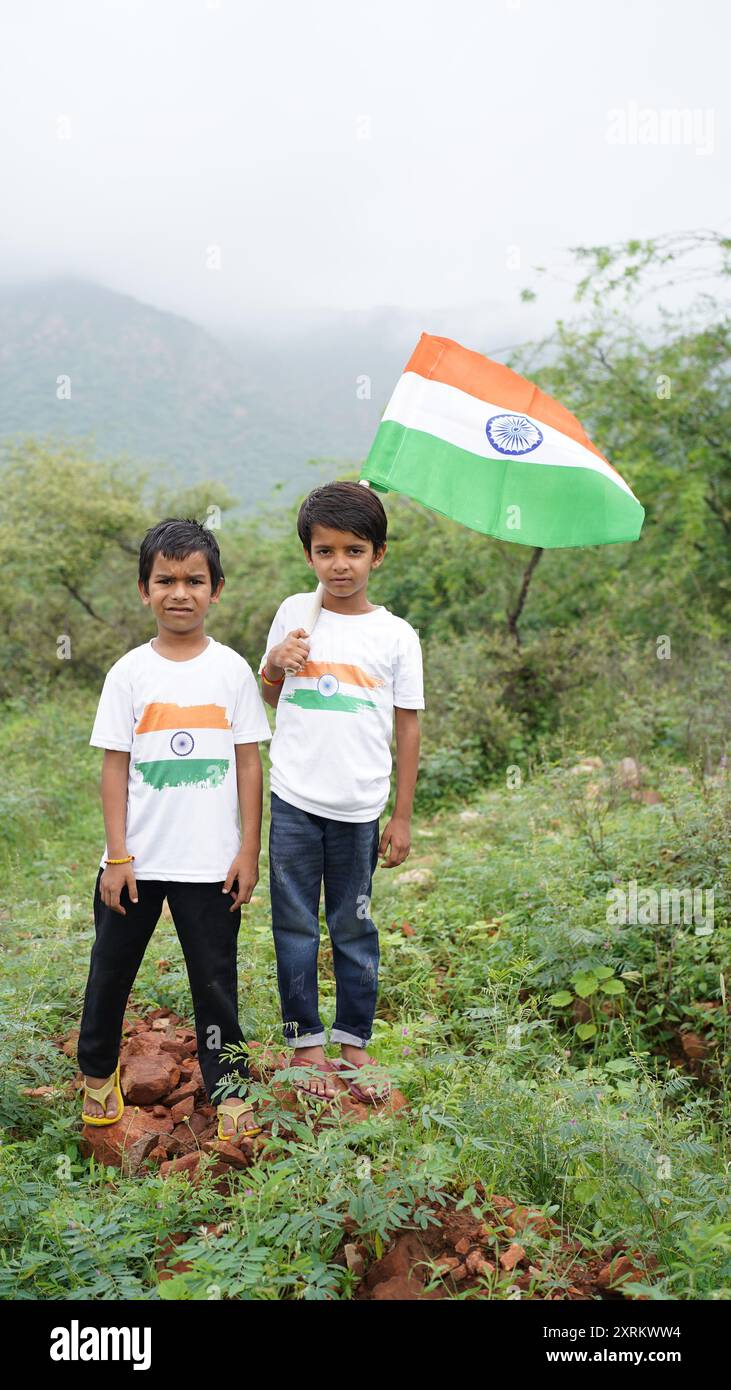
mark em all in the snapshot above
pixel 588 984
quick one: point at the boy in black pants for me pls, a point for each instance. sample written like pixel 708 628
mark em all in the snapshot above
pixel 180 719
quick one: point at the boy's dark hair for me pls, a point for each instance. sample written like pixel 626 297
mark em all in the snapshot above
pixel 344 507
pixel 176 540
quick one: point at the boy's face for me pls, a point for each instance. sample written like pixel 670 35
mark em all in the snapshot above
pixel 180 592
pixel 341 560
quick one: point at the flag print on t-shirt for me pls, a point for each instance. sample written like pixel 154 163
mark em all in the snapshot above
pixel 331 685
pixel 182 745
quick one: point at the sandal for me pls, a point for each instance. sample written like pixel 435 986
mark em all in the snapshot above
pixel 100 1094
pixel 322 1067
pixel 347 1071
pixel 235 1110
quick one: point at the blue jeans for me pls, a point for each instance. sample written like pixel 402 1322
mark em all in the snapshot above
pixel 306 850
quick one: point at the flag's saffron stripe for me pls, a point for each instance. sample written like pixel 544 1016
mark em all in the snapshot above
pixel 441 359
pixel 509 498
pixel 161 716
pixel 312 699
pixel 459 418
pixel 183 772
pixel 352 675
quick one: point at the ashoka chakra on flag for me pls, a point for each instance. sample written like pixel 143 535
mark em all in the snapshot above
pixel 472 439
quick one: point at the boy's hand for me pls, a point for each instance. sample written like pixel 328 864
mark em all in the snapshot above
pixel 397 835
pixel 245 869
pixel 111 883
pixel 291 654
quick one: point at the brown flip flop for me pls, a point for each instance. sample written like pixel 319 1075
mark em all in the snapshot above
pixel 322 1067
pixel 347 1071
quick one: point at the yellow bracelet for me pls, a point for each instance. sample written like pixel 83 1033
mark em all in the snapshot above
pixel 128 860
pixel 267 681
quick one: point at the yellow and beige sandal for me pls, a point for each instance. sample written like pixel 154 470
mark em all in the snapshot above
pixel 100 1094
pixel 235 1110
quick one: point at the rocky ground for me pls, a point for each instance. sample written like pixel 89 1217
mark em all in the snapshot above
pixel 167 1120
pixel 168 1124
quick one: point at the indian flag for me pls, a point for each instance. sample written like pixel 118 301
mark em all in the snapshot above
pixel 182 745
pixel 334 686
pixel 472 439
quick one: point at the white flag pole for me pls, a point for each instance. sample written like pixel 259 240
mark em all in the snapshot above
pixel 317 597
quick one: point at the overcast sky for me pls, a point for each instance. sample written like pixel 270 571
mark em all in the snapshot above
pixel 331 154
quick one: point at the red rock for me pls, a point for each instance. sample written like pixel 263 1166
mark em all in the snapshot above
pixel 398 1261
pixel 174 1049
pixel 183 1140
pixel 145 1079
pixel 399 1288
pixel 463 1245
pixel 264 1060
pixel 236 1155
pixel 459 1273
pixel 477 1264
pixel 166 1014
pixel 125 1144
pixel 619 1268
pixel 512 1256
pixel 145 1044
pixel 190 1047
pixel 502 1203
pixel 158 1154
pixel 198 1123
pixel 525 1216
pixel 161 1111
pixel 694 1046
pixel 182 1110
pixel 70 1046
pixel 188 1163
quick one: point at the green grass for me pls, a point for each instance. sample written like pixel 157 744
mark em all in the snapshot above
pixel 511 911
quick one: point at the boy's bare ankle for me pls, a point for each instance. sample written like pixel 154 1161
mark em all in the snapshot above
pixel 314 1054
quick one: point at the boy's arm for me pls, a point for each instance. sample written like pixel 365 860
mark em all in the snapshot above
pixel 249 781
pixel 115 774
pixel 271 693
pixel 397 832
pixel 408 739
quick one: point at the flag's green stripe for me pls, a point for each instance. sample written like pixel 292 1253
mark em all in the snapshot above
pixel 556 505
pixel 184 772
pixel 312 699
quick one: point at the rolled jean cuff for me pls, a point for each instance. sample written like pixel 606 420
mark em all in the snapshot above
pixel 339 1035
pixel 306 1039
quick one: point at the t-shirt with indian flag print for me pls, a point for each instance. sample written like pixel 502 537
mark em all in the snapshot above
pixel 180 721
pixel 331 751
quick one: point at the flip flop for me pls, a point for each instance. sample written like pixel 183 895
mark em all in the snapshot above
pixel 322 1067
pixel 235 1111
pixel 99 1094
pixel 347 1072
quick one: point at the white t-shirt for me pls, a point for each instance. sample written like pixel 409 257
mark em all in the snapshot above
pixel 179 721
pixel 331 753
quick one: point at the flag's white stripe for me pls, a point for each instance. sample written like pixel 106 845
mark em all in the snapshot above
pixel 344 688
pixel 207 743
pixel 460 419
